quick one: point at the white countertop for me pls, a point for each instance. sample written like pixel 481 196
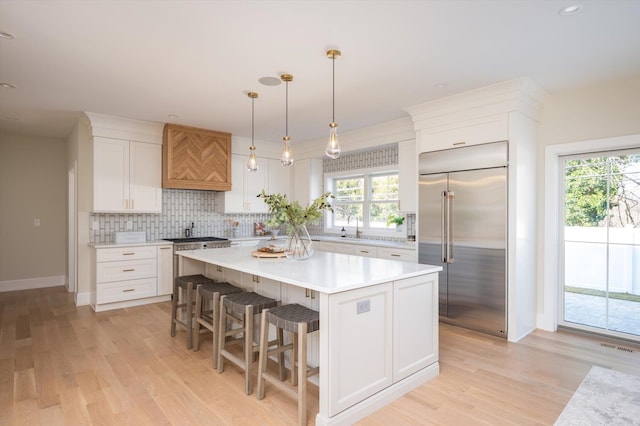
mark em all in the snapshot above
pixel 323 272
pixel 114 245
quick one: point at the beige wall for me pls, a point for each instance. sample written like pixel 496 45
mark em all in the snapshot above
pixel 33 185
pixel 600 111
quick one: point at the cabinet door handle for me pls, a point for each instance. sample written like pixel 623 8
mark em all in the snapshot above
pixel 459 143
pixel 364 251
pixel 128 290
pixel 128 270
pixel 313 294
pixel 395 255
pixel 126 204
pixel 130 253
pixel 306 292
pixel 165 248
pixel 131 204
pixel 218 268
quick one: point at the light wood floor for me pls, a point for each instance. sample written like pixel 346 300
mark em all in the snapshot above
pixel 65 365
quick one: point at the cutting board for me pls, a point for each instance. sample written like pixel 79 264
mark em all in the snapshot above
pixel 265 254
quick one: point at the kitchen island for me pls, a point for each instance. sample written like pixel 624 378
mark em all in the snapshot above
pixel 378 336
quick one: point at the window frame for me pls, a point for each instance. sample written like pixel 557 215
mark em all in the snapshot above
pixel 367 174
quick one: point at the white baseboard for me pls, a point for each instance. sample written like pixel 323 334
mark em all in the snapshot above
pixel 83 299
pixel 31 283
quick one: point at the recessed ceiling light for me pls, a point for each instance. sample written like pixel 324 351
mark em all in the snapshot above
pixel 442 85
pixel 6 35
pixel 570 10
pixel 7 85
pixel 269 81
pixel 173 116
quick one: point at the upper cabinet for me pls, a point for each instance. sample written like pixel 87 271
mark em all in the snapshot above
pixel 307 180
pixel 196 158
pixel 270 176
pixel 408 176
pixel 127 164
pixel 126 176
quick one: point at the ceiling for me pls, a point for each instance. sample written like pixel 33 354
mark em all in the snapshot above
pixel 149 59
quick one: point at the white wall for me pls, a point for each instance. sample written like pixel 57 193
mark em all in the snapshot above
pixel 601 111
pixel 33 185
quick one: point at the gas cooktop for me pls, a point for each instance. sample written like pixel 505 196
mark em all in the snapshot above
pixel 194 239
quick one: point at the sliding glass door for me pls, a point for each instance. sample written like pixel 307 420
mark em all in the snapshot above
pixel 600 234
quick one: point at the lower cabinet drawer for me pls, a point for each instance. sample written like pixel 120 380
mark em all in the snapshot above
pixel 397 254
pixel 125 290
pixel 363 250
pixel 126 270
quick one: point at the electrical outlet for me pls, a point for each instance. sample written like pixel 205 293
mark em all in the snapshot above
pixel 364 306
pixel 129 225
pixel 36 222
pixel 95 226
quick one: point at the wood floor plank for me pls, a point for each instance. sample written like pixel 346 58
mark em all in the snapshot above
pixel 71 366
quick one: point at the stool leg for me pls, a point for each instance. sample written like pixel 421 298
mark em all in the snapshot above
pixel 174 308
pixel 283 373
pixel 215 319
pixel 294 361
pixel 248 350
pixel 189 319
pixel 196 324
pixel 263 352
pixel 222 331
pixel 302 373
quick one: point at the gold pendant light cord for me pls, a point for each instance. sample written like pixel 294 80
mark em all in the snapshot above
pixel 252 120
pixel 333 90
pixel 286 109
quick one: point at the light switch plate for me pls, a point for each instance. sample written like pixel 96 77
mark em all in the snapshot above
pixel 364 306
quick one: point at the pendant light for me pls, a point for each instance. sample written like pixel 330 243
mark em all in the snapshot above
pixel 333 147
pixel 286 159
pixel 252 164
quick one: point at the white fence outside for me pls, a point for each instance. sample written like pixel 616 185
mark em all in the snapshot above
pixel 586 258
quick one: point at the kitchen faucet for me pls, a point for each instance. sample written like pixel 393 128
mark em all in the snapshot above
pixel 357 224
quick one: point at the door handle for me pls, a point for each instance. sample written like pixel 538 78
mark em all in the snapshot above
pixel 450 199
pixel 443 254
pixel 128 270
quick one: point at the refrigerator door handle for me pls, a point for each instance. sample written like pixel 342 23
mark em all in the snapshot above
pixel 450 197
pixel 443 237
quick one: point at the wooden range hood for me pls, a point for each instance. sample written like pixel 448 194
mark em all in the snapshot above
pixel 195 158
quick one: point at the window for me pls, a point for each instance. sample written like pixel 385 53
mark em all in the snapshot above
pixel 368 197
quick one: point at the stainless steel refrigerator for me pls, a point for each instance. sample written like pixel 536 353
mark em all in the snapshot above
pixel 462 226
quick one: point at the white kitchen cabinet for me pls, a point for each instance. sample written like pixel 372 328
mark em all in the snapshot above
pixel 464 132
pixel 307 180
pixel 367 355
pixel 129 276
pixel 310 299
pixel 365 250
pixel 246 185
pixel 127 176
pixel 279 179
pixel 165 269
pixel 407 176
pixel 405 255
pixel 415 303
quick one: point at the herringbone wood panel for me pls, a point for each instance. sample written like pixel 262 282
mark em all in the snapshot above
pixel 67 365
pixel 196 158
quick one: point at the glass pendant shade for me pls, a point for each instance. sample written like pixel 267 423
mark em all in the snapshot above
pixel 286 159
pixel 252 164
pixel 333 150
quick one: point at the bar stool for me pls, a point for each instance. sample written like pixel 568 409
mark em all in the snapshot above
pixel 209 318
pixel 298 320
pixel 240 308
pixel 187 284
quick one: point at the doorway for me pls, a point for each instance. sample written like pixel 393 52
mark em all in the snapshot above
pixel 72 236
pixel 600 242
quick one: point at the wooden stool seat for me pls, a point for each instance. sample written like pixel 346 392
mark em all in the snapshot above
pixel 187 284
pixel 208 319
pixel 240 308
pixel 298 320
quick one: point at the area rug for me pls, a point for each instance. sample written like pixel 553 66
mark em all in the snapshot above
pixel 605 397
